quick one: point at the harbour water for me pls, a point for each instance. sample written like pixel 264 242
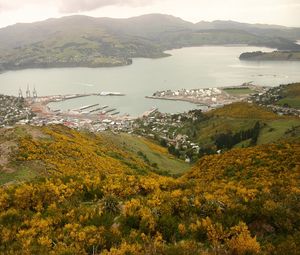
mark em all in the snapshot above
pixel 197 67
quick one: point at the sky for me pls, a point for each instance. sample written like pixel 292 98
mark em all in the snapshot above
pixel 281 12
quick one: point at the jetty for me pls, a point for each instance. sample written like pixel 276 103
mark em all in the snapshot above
pixel 147 113
pixel 87 107
pixel 104 93
pixel 109 110
pixel 103 107
pixel 95 110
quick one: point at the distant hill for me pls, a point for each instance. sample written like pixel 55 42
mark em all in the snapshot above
pixel 258 29
pixel 94 42
pixel 271 56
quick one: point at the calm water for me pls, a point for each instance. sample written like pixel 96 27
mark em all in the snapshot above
pixel 198 67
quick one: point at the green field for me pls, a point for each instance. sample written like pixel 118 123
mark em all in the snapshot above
pixel 238 91
pixel 293 102
pixel 140 146
pixel 22 174
pixel 279 129
pixel 291 96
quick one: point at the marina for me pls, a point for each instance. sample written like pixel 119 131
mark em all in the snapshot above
pixel 109 110
pixel 96 110
pixel 189 68
pixel 125 88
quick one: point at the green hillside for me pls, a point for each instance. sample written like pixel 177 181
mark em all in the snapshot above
pixel 235 125
pixel 95 42
pixel 290 96
pixel 241 117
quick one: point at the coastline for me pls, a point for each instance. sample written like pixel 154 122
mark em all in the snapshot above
pixel 164 54
pixel 177 99
pixel 210 97
pixel 292 56
pixel 64 65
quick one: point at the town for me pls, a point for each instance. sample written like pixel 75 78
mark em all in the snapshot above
pixel 13 110
pixel 271 98
pixel 165 128
pixel 162 127
pixel 211 97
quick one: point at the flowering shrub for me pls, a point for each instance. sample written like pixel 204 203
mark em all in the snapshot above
pixel 93 201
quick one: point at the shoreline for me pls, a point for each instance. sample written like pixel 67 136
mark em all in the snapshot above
pixel 40 106
pixel 177 99
pixel 210 97
pixel 165 54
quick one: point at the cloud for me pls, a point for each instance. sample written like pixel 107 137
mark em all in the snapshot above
pixel 72 6
pixel 17 4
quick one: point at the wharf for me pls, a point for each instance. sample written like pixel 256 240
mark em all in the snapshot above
pixel 87 106
pixel 109 110
pixel 147 113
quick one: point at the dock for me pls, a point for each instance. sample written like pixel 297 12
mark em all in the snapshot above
pixel 87 107
pixel 66 97
pixel 95 110
pixel 147 113
pixel 103 107
pixel 109 110
pixel 105 93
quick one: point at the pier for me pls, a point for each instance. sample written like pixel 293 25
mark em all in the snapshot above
pixel 109 110
pixel 87 107
pixel 98 109
pixel 147 113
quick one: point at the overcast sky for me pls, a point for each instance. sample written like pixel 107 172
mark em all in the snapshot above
pixel 282 12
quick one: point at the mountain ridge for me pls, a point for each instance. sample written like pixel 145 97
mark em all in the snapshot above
pixel 95 42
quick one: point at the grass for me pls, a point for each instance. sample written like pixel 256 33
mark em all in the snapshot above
pixel 244 111
pixel 293 102
pixel 214 126
pixel 153 152
pixel 22 174
pixel 291 96
pixel 238 91
pixel 276 130
pixel 243 144
pixel 241 117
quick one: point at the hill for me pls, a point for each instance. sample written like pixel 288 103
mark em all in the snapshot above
pixel 285 96
pixel 194 134
pixel 90 196
pixel 271 56
pixel 290 96
pixel 258 29
pixel 95 42
pixel 56 143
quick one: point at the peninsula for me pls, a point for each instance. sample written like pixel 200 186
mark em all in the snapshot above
pixel 271 56
pixel 211 97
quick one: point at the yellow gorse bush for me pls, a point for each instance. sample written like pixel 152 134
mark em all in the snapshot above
pixel 97 199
